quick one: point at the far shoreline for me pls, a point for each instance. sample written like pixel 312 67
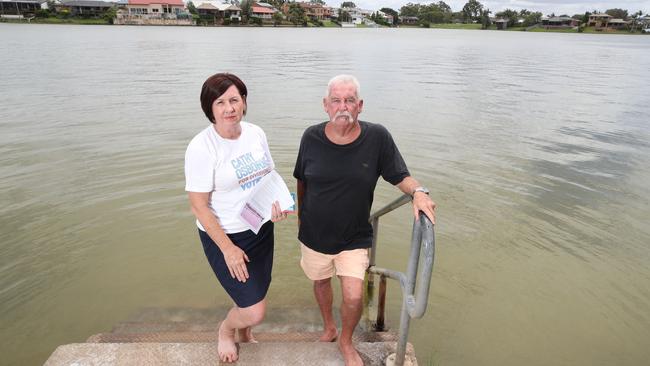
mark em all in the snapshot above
pixel 453 26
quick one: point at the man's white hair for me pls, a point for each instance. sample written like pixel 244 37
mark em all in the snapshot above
pixel 343 79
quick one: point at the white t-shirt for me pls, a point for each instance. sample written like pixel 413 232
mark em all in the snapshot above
pixel 229 169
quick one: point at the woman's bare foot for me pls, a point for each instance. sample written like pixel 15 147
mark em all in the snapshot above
pixel 226 347
pixel 246 335
pixel 329 335
pixel 350 355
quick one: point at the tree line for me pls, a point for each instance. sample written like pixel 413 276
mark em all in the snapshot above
pixel 475 12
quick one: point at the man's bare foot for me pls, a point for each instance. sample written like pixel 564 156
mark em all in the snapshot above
pixel 226 347
pixel 329 335
pixel 350 355
pixel 246 335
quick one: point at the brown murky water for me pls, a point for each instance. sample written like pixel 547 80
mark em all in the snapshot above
pixel 535 147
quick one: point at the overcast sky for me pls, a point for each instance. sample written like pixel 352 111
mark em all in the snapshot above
pixel 545 6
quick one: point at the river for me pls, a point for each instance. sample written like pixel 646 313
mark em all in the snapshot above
pixel 535 146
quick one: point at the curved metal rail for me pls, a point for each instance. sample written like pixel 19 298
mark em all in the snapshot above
pixel 414 302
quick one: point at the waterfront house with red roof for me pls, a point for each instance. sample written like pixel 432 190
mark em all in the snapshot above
pixel 263 11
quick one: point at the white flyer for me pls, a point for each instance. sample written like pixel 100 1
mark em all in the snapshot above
pixel 257 210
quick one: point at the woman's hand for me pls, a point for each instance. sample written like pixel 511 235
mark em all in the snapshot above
pixel 276 212
pixel 236 261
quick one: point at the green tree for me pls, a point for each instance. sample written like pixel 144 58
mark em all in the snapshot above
pixel 320 2
pixel 392 12
pixel 617 13
pixel 636 22
pixel 485 19
pixel 277 19
pixel 377 18
pixel 532 19
pixel 348 4
pixel 473 10
pixel 430 14
pixel 50 7
pixel 42 13
pixel 344 16
pixel 246 10
pixel 110 14
pixel 444 7
pixel 296 14
pixel 276 3
pixel 437 13
pixel 510 15
pixel 410 10
pixel 191 8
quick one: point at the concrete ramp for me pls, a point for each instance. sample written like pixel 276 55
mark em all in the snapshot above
pixel 199 354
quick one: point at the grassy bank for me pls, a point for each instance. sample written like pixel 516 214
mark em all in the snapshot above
pixel 456 26
pixel 54 20
pixel 592 30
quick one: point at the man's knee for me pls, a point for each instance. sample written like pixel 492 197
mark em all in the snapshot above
pixel 323 283
pixel 352 291
pixel 352 299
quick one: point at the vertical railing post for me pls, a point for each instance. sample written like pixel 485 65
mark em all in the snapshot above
pixel 414 305
pixel 381 305
pixel 370 285
pixel 409 287
pixel 375 235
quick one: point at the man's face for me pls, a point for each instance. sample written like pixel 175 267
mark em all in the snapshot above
pixel 342 104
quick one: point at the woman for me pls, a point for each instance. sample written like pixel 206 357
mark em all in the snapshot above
pixel 222 164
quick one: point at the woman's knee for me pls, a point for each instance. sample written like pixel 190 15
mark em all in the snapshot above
pixel 254 314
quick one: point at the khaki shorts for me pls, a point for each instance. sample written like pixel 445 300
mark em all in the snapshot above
pixel 319 266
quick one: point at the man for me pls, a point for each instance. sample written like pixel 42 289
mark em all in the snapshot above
pixel 338 165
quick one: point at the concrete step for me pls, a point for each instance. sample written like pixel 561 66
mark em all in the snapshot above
pixel 183 335
pixel 287 315
pixel 192 326
pixel 199 354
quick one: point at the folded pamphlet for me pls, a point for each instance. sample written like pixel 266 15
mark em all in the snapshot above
pixel 257 209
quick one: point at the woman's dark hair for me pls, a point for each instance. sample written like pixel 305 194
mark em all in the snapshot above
pixel 215 86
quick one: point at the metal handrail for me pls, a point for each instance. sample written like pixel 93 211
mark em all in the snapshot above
pixel 414 302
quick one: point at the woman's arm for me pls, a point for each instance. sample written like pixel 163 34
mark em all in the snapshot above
pixel 235 257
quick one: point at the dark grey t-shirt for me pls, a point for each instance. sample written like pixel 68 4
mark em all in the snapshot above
pixel 339 184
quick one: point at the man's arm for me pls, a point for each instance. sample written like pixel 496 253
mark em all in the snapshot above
pixel 421 201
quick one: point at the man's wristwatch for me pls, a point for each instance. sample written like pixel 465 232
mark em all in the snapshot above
pixel 419 189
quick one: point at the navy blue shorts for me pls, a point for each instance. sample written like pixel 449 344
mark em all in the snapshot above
pixel 259 249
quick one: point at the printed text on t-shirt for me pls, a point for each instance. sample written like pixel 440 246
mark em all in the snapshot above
pixel 249 171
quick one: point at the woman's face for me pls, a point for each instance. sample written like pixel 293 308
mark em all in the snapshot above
pixel 229 108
